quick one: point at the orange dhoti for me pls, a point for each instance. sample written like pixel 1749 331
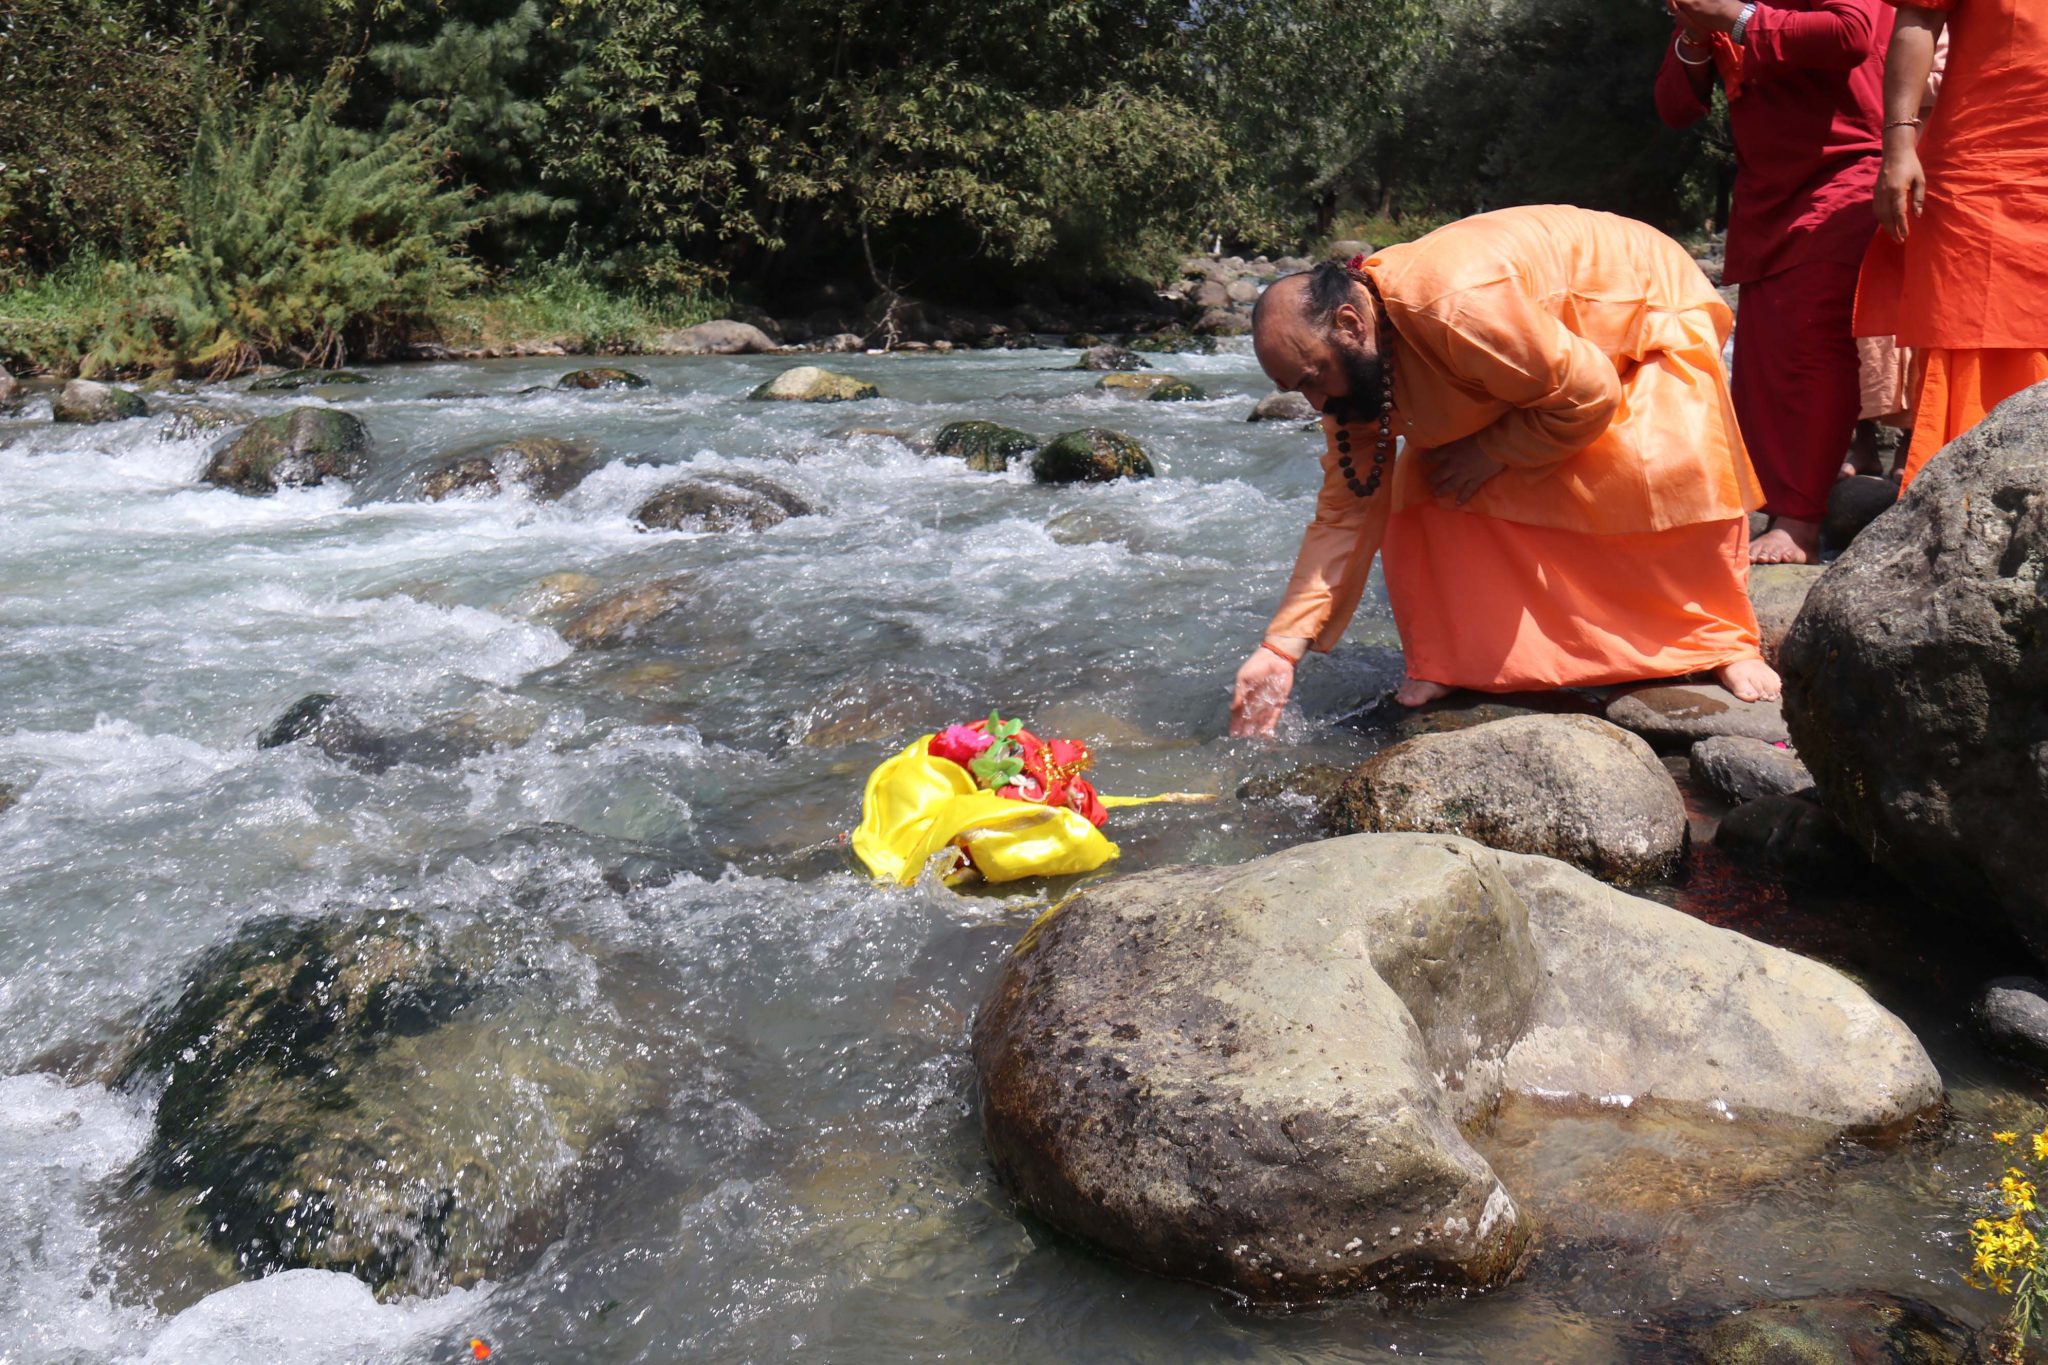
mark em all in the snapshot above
pixel 1499 607
pixel 1957 389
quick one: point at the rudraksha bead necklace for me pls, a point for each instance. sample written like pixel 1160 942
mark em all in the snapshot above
pixel 1383 444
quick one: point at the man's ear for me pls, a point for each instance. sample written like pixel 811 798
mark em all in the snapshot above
pixel 1350 322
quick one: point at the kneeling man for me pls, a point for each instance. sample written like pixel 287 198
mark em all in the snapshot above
pixel 1569 503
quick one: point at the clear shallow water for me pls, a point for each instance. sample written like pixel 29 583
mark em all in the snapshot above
pixel 809 1177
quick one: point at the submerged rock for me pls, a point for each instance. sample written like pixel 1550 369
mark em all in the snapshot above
pixel 623 615
pixel 1867 1328
pixel 985 446
pixel 1568 787
pixel 601 377
pixel 1794 837
pixel 721 337
pixel 306 379
pixel 10 390
pixel 1158 388
pixel 1677 715
pixel 354 1094
pixel 1853 503
pixel 1739 769
pixel 810 384
pixel 1283 407
pixel 331 725
pixel 1777 592
pixel 184 423
pixel 300 448
pixel 1916 680
pixel 9 798
pixel 1093 455
pixel 1263 1077
pixel 2011 1015
pixel 545 466
pixel 720 502
pixel 84 401
pixel 1111 358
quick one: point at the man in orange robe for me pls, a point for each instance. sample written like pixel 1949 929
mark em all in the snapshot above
pixel 1961 269
pixel 1570 508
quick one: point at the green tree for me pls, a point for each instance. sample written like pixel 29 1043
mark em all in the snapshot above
pixel 307 240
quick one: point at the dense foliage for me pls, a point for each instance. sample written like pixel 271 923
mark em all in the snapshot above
pixel 779 146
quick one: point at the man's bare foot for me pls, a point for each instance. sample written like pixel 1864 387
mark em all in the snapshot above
pixel 1750 680
pixel 1420 692
pixel 1789 541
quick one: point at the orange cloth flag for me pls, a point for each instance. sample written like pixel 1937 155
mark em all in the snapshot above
pixel 1583 351
pixel 1969 287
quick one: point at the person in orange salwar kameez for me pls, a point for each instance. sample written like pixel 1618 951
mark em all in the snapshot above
pixel 1570 508
pixel 1960 272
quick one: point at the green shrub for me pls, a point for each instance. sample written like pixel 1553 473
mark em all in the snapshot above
pixel 306 240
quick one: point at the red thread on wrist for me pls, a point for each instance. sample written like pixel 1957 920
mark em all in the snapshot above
pixel 1275 649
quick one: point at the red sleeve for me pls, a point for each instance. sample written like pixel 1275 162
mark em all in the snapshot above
pixel 1944 6
pixel 1678 104
pixel 1835 35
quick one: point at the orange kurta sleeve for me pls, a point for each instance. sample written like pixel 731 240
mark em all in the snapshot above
pixel 1335 561
pixel 1562 390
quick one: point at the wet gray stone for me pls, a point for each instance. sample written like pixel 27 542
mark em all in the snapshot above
pixel 1283 407
pixel 1777 592
pixel 1853 503
pixel 1739 769
pixel 2012 1015
pixel 1793 837
pixel 1110 358
pixel 1676 715
pixel 1567 787
pixel 86 402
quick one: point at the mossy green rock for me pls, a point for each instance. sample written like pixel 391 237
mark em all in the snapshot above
pixel 545 466
pixel 1092 455
pixel 84 401
pixel 1848 1329
pixel 300 448
pixel 1158 388
pixel 813 384
pixel 306 379
pixel 601 378
pixel 351 1094
pixel 1168 342
pixel 986 446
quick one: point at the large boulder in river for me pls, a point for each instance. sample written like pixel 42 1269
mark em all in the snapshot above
pixel 1157 388
pixel 1286 406
pixel 1092 455
pixel 10 390
pixel 720 502
pixel 306 379
pixel 985 446
pixel 601 377
pixel 300 448
pixel 722 337
pixel 364 1094
pixel 1568 787
pixel 1916 680
pixel 1106 357
pixel 545 466
pixel 87 401
pixel 810 384
pixel 1264 1077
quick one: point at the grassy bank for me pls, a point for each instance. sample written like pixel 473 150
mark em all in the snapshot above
pixel 112 318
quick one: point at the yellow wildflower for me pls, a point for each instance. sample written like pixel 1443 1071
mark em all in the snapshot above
pixel 2007 1138
pixel 2041 1145
pixel 2018 1192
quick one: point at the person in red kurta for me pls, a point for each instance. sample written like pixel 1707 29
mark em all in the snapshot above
pixel 1805 104
pixel 1961 271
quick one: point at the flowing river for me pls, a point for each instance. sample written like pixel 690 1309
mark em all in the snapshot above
pixel 809 1180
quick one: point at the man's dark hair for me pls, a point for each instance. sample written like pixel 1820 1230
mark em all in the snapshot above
pixel 1329 288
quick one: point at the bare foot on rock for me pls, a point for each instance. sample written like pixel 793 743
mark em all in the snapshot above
pixel 1789 541
pixel 1750 680
pixel 1419 692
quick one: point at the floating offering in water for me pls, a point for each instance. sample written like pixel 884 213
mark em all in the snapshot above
pixel 1005 804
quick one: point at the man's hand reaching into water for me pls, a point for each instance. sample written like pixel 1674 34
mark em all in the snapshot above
pixel 1264 683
